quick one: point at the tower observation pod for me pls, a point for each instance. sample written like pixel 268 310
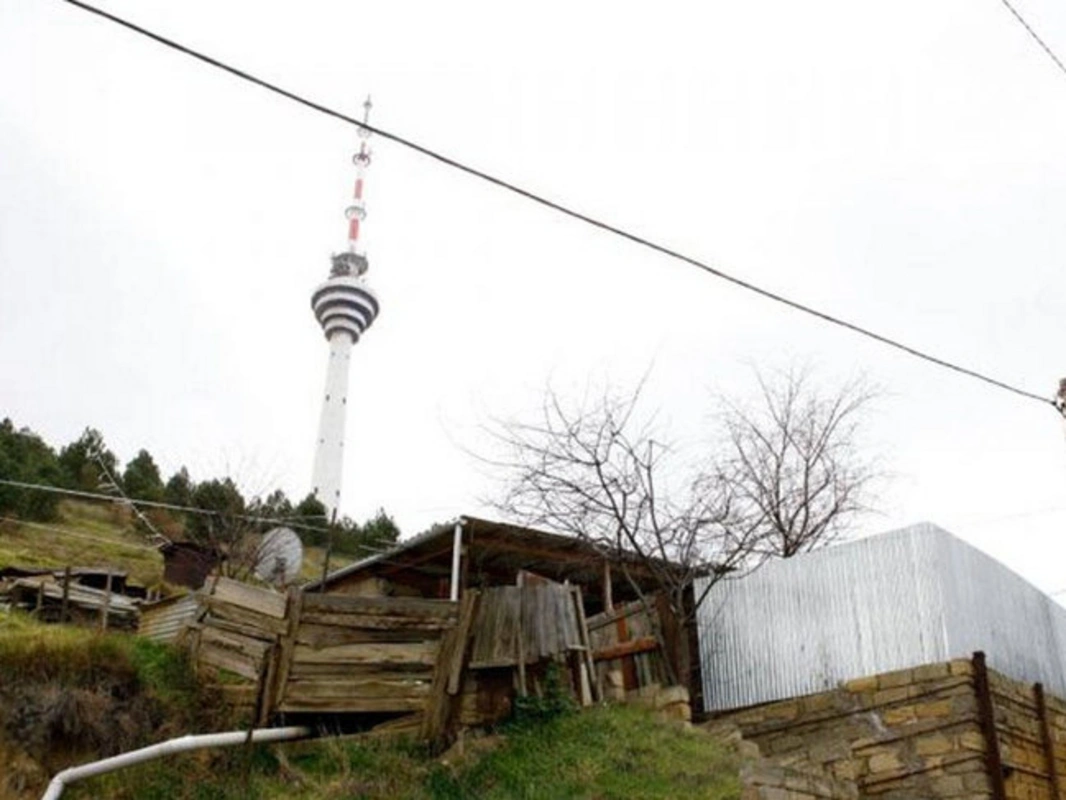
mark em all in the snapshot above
pixel 345 307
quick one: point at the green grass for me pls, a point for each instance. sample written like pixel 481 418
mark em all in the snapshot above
pixel 70 695
pixel 612 752
pixel 91 534
pixel 609 753
pixel 85 535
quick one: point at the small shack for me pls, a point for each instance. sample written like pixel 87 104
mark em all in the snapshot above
pixel 188 563
pixel 82 595
pixel 631 629
pixel 441 632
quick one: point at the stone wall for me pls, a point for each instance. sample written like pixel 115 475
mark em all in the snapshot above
pixel 764 781
pixel 935 731
pixel 1024 742
pixel 906 734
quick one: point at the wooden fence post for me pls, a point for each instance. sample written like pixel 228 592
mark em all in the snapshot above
pixel 583 633
pixel 1049 742
pixel 453 645
pixel 106 607
pixel 986 713
pixel 283 654
pixel 64 608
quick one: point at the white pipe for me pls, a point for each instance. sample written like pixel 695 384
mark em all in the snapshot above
pixel 179 745
pixel 457 543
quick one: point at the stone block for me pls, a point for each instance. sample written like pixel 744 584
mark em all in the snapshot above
pixel 884 697
pixel 899 715
pixel 859 685
pixel 936 744
pixel 671 695
pixel 884 762
pixel 938 709
pixel 960 667
pixel 890 680
pixel 931 672
pixel 947 786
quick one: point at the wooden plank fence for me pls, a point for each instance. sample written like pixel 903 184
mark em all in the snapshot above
pixel 444 663
pixel 625 648
pixel 316 653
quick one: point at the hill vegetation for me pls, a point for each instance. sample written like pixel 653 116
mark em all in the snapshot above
pixel 75 695
pixel 55 526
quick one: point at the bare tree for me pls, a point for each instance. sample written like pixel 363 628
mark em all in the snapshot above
pixel 787 480
pixel 792 465
pixel 597 473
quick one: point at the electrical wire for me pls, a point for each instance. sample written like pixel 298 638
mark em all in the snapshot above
pixel 563 209
pixel 76 534
pixel 1036 37
pixel 43 487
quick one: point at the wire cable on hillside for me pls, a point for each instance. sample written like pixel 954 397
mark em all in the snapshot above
pixel 76 534
pixel 43 487
pixel 1036 37
pixel 562 209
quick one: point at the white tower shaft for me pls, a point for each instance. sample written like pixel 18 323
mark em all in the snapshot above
pixel 329 450
pixel 345 307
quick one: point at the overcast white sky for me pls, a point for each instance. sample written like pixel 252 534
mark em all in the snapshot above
pixel 162 226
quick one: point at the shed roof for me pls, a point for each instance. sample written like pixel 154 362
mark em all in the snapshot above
pixel 498 545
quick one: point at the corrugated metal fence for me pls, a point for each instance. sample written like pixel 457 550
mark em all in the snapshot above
pixel 901 599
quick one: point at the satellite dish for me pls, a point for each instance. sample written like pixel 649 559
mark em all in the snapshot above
pixel 280 557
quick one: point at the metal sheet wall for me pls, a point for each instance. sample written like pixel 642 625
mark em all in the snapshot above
pixel 897 600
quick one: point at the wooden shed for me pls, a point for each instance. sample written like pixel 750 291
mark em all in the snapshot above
pixel 479 553
pixel 472 553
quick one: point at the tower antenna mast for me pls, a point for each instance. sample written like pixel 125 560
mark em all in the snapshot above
pixel 345 306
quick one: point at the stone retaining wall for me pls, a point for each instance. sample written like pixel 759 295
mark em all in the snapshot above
pixel 915 733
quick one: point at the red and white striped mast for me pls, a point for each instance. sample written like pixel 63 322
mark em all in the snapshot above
pixel 345 307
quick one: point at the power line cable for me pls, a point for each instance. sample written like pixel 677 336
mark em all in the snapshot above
pixel 1036 37
pixel 563 209
pixel 44 487
pixel 76 534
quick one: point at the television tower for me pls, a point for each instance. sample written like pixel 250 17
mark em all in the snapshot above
pixel 345 307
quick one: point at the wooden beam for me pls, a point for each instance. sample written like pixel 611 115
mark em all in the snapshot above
pixel 1048 741
pixel 608 590
pixel 440 705
pixel 987 717
pixel 64 611
pixel 105 608
pixel 643 645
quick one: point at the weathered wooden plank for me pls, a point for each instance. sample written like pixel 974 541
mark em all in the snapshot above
pixel 228 640
pixel 303 671
pixel 264 601
pixel 463 634
pixel 382 606
pixel 300 691
pixel 378 622
pixel 369 653
pixel 231 660
pixel 287 644
pixel 315 635
pixel 352 705
pixel 268 625
pixel 240 628
pixel 608 617
pixel 436 724
pixel 643 645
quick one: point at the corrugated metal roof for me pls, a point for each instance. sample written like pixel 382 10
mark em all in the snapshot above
pixel 892 601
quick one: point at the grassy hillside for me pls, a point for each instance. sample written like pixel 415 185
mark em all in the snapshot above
pixel 71 695
pixel 85 535
pixel 89 534
pixel 607 753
